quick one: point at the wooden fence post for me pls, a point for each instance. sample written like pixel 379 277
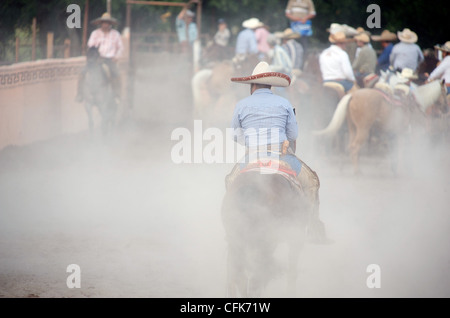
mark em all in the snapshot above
pixel 50 45
pixel 66 48
pixel 85 27
pixel 33 43
pixel 17 49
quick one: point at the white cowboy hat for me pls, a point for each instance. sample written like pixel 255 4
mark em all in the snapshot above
pixel 348 30
pixel 252 23
pixel 190 14
pixel 407 36
pixel 262 74
pixel 407 73
pixel 386 35
pixel 445 47
pixel 106 17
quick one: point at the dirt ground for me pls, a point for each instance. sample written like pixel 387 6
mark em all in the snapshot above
pixel 139 225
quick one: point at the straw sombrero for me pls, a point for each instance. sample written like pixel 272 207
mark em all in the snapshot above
pixel 407 36
pixel 445 47
pixel 262 74
pixel 106 17
pixel 386 35
pixel 362 37
pixel 252 23
pixel 338 37
pixel 361 30
pixel 273 39
pixel 289 34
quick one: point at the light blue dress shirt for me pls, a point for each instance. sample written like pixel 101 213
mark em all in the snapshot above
pixel 406 55
pixel 264 118
pixel 246 42
pixel 181 31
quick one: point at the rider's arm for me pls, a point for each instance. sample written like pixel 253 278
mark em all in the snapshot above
pixel 238 133
pixel 185 8
pixel 93 39
pixel 439 70
pixel 291 125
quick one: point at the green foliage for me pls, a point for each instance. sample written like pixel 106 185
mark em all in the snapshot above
pixel 429 19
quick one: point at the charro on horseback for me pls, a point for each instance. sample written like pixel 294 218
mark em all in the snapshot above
pixel 266 124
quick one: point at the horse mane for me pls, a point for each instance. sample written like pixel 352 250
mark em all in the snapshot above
pixel 426 95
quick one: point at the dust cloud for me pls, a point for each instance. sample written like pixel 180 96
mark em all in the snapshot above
pixel 139 225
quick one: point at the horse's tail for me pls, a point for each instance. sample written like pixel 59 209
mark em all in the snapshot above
pixel 337 120
pixel 197 81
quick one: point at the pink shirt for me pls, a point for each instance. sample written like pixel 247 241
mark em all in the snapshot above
pixel 110 44
pixel 261 37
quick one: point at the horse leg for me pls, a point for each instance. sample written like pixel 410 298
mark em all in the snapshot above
pixel 88 106
pixel 262 266
pixel 295 248
pixel 236 279
pixel 351 134
pixel 361 136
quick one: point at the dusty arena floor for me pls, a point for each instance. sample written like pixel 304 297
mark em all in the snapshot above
pixel 139 225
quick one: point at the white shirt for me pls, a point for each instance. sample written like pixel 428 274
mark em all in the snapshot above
pixel 442 71
pixel 335 64
pixel 222 37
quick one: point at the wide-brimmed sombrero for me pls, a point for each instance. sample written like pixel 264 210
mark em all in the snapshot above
pixel 445 47
pixel 363 37
pixel 407 36
pixel 106 17
pixel 361 30
pixel 262 74
pixel 386 35
pixel 289 34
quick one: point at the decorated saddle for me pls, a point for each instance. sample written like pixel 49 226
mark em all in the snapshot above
pixel 288 166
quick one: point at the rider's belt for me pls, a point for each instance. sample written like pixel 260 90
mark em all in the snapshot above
pixel 268 148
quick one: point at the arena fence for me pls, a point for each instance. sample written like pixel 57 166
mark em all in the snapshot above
pixel 37 99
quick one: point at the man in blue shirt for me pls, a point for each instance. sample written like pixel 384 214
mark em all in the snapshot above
pixel 246 43
pixel 386 38
pixel 406 54
pixel 264 120
pixel 186 27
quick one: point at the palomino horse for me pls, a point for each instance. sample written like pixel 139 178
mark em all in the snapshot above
pixel 97 91
pixel 214 95
pixel 371 108
pixel 260 212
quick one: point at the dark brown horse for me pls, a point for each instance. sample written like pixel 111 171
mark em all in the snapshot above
pixel 259 212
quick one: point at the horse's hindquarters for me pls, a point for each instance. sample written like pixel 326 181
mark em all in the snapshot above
pixel 259 212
